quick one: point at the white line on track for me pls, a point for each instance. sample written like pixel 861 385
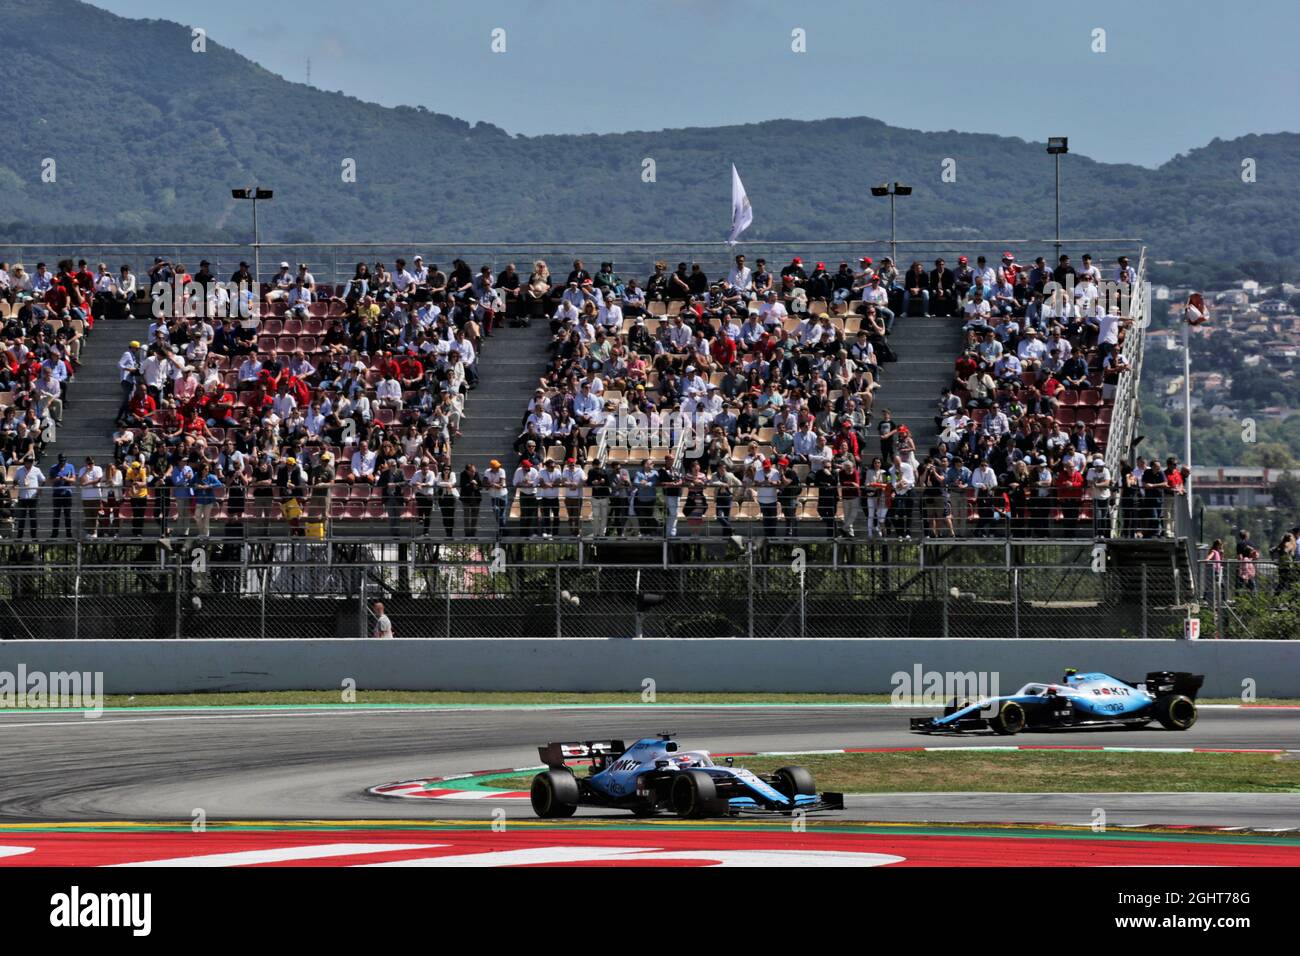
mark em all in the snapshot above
pixel 286 854
pixel 79 721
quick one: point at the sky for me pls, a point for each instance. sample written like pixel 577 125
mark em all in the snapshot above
pixel 1164 77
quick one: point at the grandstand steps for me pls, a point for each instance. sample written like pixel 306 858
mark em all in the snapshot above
pixel 926 348
pixel 95 395
pixel 509 367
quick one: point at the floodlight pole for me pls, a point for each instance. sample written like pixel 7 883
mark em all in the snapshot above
pixel 893 231
pixel 1058 204
pixel 257 255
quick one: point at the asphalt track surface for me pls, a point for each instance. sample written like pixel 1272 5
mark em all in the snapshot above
pixel 317 764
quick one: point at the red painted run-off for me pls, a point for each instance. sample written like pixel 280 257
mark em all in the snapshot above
pixel 950 849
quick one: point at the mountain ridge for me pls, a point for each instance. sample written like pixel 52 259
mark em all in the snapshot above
pixel 158 135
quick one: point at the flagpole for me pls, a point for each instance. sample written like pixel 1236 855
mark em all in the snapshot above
pixel 1187 409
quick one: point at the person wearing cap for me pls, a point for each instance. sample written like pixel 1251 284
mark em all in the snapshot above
pixel 63 476
pixel 795 272
pixel 495 485
pixel 424 485
pixel 527 484
pixel 789 492
pixel 875 294
pixel 549 497
pixel 280 284
pixel 670 480
pixel 90 480
pixel 1098 481
pixel 573 479
pixel 768 480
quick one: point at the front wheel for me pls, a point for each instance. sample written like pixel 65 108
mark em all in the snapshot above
pixel 554 794
pixel 1009 720
pixel 695 795
pixel 1176 712
pixel 794 781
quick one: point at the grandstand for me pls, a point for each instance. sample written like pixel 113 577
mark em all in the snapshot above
pixel 311 412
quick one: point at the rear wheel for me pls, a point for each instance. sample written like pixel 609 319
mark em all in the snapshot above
pixel 1176 712
pixel 694 795
pixel 793 781
pixel 1009 719
pixel 554 794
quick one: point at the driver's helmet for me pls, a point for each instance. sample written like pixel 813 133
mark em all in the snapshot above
pixel 686 761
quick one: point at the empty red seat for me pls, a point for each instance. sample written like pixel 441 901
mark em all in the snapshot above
pixel 1090 396
pixel 271 327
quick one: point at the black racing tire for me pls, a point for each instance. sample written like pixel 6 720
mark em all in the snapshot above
pixel 794 781
pixel 694 795
pixel 1009 720
pixel 554 794
pixel 1176 712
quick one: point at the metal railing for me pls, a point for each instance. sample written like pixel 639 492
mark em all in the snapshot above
pixel 360 512
pixel 302 590
pixel 335 262
pixel 1248 599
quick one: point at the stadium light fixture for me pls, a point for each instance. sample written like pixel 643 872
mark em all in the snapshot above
pixel 1058 146
pixel 255 193
pixel 891 190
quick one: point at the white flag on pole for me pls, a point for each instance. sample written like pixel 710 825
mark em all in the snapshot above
pixel 741 213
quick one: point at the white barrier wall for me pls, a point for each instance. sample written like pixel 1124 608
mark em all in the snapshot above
pixel 822 665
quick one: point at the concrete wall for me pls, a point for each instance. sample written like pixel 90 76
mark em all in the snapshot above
pixel 822 665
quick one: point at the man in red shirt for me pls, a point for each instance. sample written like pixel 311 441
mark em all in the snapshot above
pixel 140 410
pixel 411 371
pixel 723 351
pixel 1174 486
pixel 1069 493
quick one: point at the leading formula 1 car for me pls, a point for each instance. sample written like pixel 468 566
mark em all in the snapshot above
pixel 1080 700
pixel 654 776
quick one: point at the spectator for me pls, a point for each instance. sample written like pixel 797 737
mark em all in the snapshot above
pixel 90 481
pixel 383 627
pixel 28 480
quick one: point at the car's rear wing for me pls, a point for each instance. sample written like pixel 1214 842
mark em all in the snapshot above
pixel 1160 683
pixel 556 754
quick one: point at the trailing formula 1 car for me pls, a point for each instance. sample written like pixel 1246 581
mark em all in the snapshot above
pixel 1079 700
pixel 655 776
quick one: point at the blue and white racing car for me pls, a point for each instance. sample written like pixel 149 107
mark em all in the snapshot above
pixel 655 776
pixel 1079 700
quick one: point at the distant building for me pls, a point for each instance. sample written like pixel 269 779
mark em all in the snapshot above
pixel 1237 487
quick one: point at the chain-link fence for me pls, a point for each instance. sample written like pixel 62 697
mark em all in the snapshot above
pixel 1246 599
pixel 315 590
